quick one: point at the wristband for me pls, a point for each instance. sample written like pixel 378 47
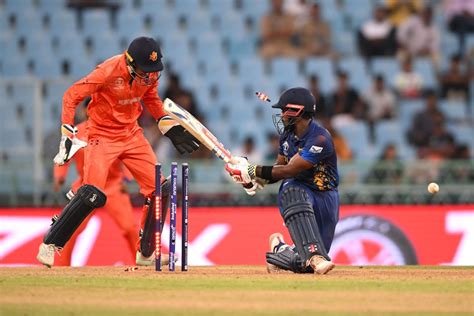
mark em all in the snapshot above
pixel 266 173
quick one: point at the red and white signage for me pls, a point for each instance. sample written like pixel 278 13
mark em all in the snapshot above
pixel 381 235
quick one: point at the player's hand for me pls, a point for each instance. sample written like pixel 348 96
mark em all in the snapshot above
pixel 241 172
pixel 68 145
pixel 255 186
pixel 182 139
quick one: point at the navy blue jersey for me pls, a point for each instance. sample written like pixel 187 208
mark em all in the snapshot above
pixel 315 146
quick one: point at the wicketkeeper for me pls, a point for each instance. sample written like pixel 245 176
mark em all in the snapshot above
pixel 118 88
pixel 308 198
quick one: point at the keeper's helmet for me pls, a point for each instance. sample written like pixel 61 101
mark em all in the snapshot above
pixel 294 103
pixel 143 58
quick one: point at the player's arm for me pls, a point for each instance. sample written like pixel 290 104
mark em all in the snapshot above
pixel 283 171
pixel 73 96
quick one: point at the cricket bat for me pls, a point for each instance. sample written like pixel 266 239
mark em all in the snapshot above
pixel 197 129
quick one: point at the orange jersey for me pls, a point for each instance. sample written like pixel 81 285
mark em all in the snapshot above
pixel 116 174
pixel 115 105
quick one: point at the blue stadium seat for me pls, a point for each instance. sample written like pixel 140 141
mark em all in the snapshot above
pixel 322 67
pixel 219 7
pixel 15 66
pixel 242 46
pixel 207 46
pixel 47 67
pixel 155 6
pixel 251 69
pixel 424 67
pixel 70 46
pixel 386 66
pixel 462 134
pixel 62 21
pixel 357 135
pixel 105 45
pixel 389 132
pixel 129 22
pixel 39 46
pixel 27 22
pixel 358 75
pixel 52 7
pixel 187 8
pixel 255 9
pixel 454 110
pixel 231 24
pixel 96 21
pixel 407 111
pixel 344 43
pixel 18 7
pixel 285 71
pixel 198 24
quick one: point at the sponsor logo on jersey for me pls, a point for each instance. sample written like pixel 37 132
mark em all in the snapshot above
pixel 119 83
pixel 315 149
pixel 285 148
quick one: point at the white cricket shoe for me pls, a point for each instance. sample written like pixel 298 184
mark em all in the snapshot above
pixel 321 265
pixel 274 240
pixel 46 254
pixel 141 260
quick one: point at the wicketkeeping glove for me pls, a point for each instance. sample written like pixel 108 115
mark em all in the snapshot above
pixel 68 145
pixel 182 140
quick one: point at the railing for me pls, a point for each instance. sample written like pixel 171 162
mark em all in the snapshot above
pixel 210 185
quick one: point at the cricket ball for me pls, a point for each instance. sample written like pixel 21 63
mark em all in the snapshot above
pixel 433 188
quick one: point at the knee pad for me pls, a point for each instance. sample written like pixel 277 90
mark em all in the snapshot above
pixel 87 198
pixel 147 236
pixel 301 222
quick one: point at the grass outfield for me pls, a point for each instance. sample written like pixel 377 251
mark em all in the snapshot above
pixel 236 290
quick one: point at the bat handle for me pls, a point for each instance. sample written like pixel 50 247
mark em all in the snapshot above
pixel 247 185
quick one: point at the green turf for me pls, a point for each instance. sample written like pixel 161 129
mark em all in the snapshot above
pixel 237 291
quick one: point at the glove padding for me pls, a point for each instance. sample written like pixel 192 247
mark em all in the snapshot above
pixel 241 171
pixel 182 139
pixel 68 145
pixel 257 184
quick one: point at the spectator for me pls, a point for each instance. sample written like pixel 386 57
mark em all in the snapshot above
pixel 408 83
pixel 315 34
pixel 345 100
pixel 377 36
pixel 249 150
pixel 298 9
pixel 343 151
pixel 400 10
pixel 419 36
pixel 278 31
pixel 425 121
pixel 460 18
pixel 274 142
pixel 441 142
pixel 380 101
pixel 454 82
pixel 388 169
pixel 321 102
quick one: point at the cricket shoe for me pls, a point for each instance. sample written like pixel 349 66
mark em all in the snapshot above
pixel 276 244
pixel 141 260
pixel 46 254
pixel 320 264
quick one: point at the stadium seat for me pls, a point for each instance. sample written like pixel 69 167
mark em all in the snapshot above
pixel 62 22
pixel 386 66
pixel 198 24
pixel 357 71
pixel 389 132
pixel 344 43
pixel 105 45
pixel 454 110
pixel 424 67
pixel 357 135
pixel 18 7
pixel 187 8
pixel 322 67
pixel 407 111
pixel 242 46
pixel 462 134
pixel 129 22
pixel 231 24
pixel 52 7
pixel 218 7
pixel 15 66
pixel 95 21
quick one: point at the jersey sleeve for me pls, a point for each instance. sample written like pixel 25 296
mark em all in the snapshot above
pixel 153 102
pixel 317 148
pixel 79 91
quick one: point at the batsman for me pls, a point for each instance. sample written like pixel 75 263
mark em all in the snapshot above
pixel 118 87
pixel 308 197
